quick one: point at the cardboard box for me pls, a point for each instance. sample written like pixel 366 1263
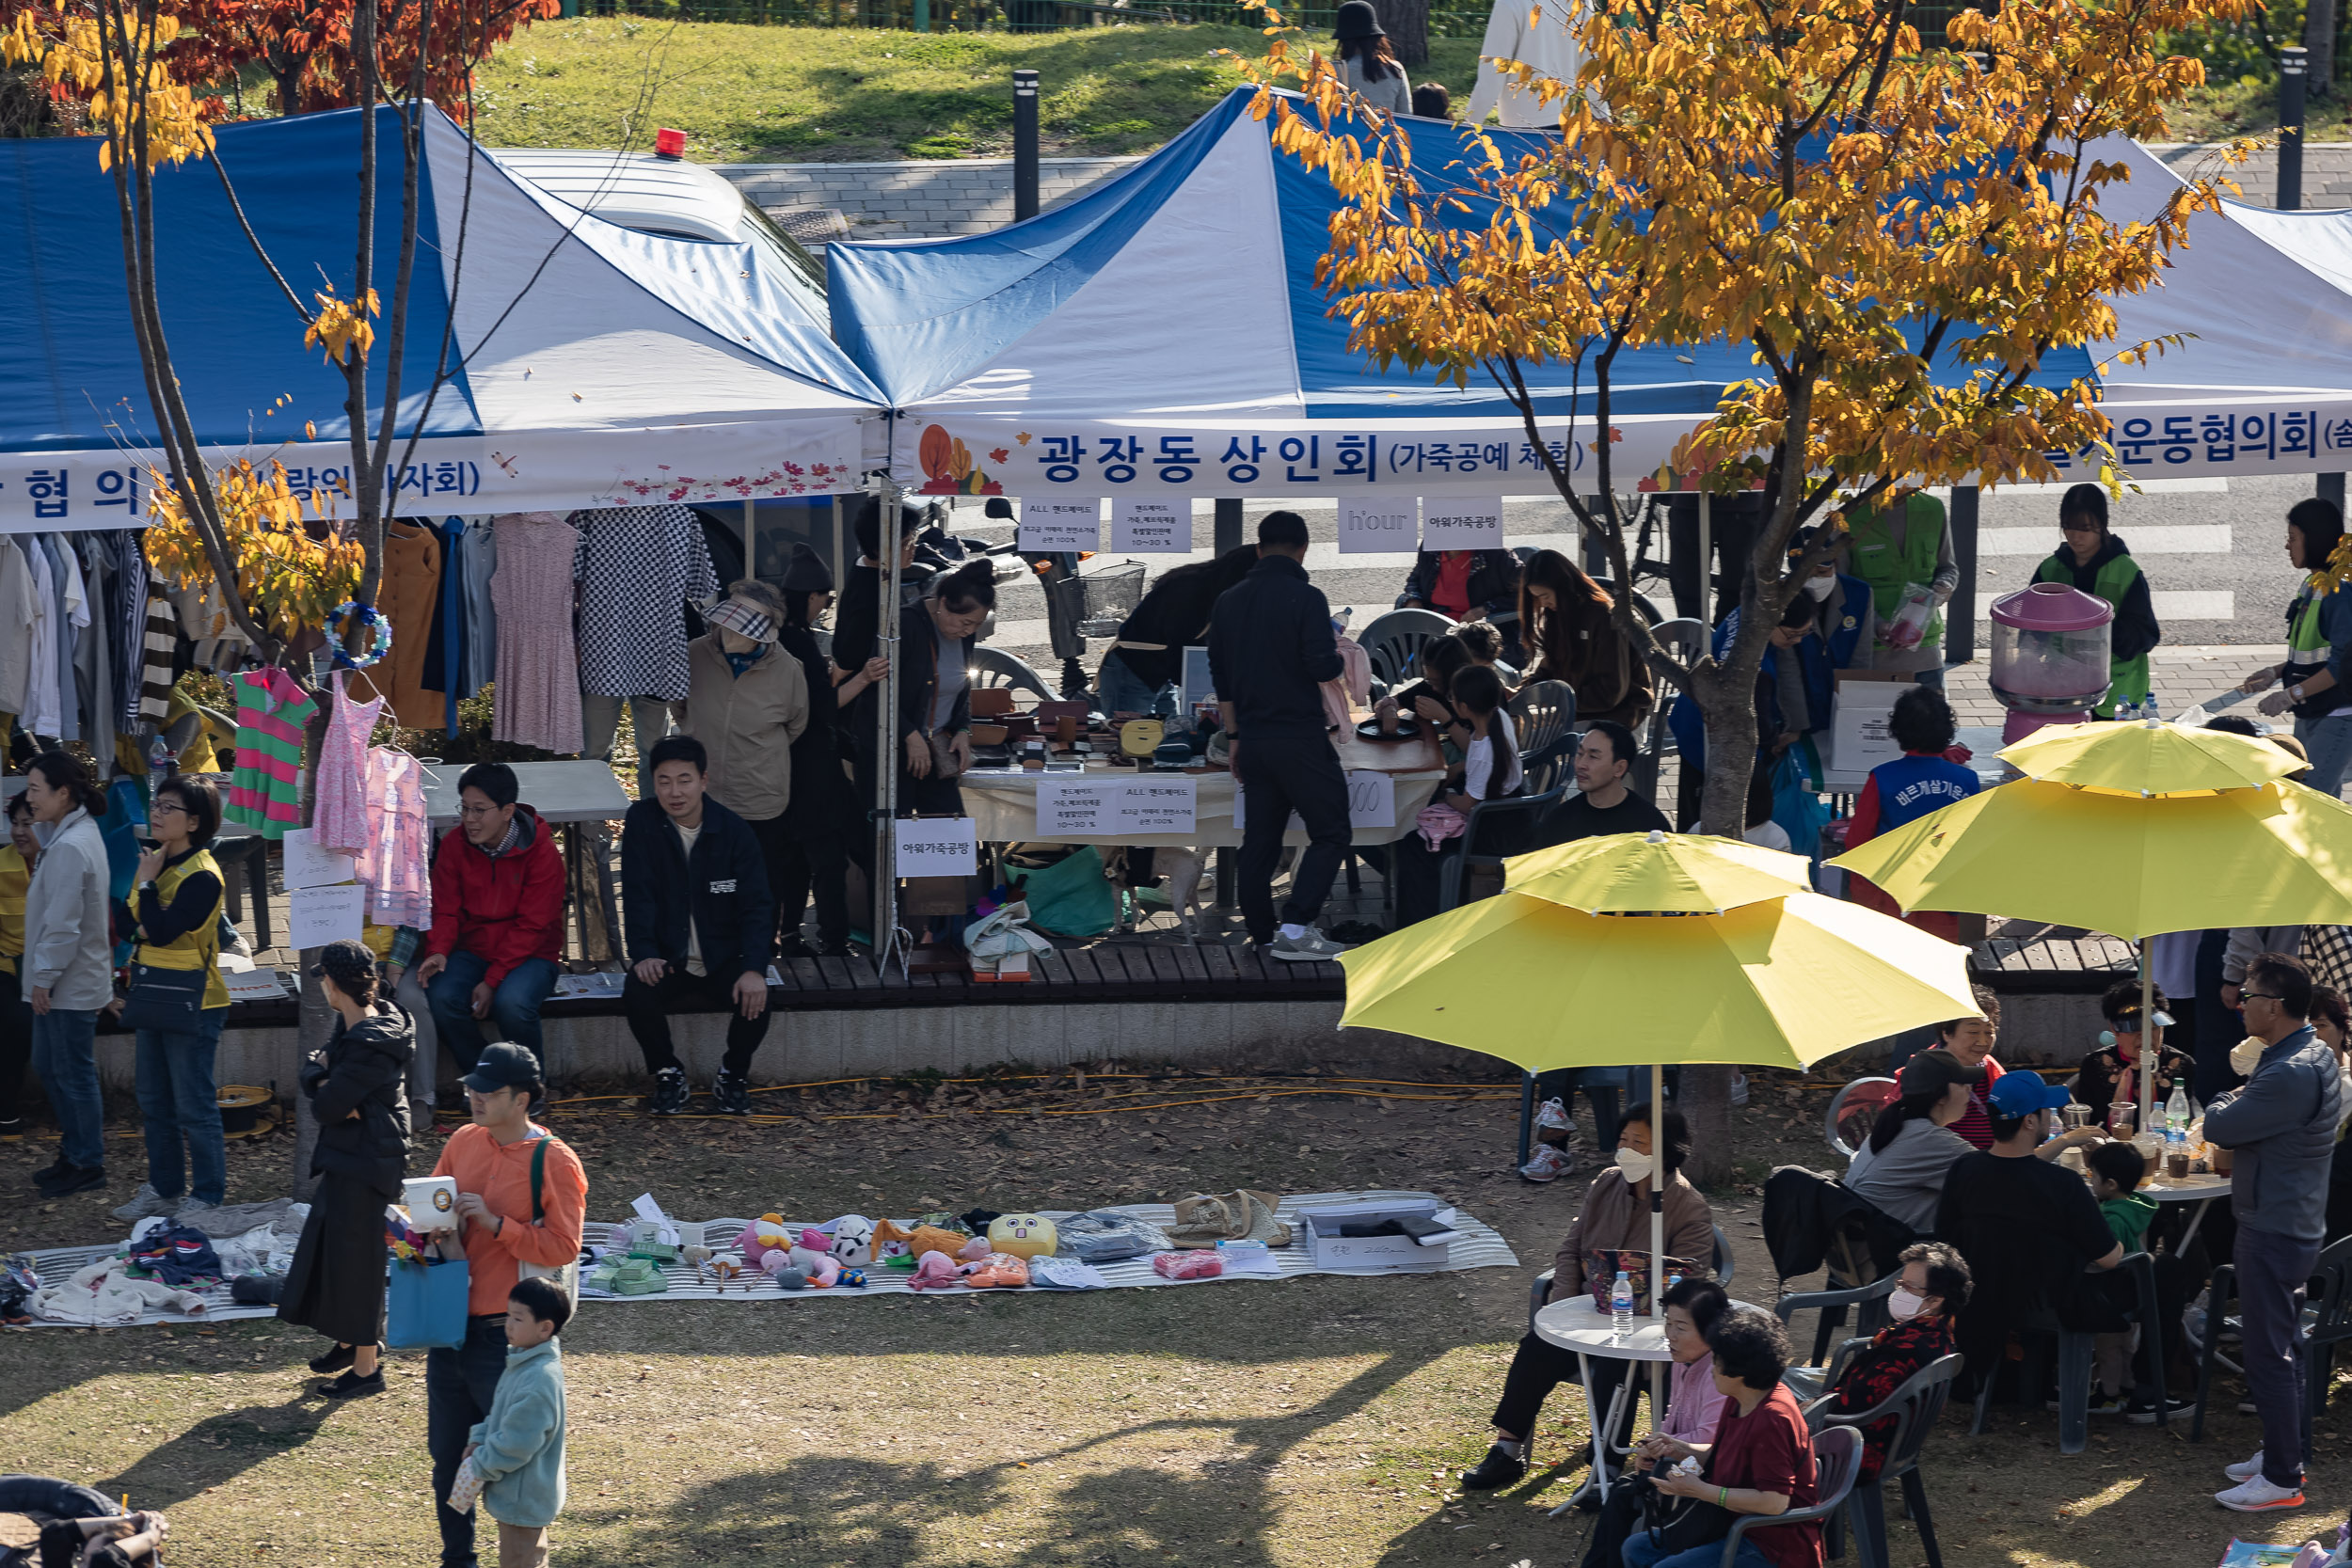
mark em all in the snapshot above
pixel 1318 1233
pixel 1858 737
pixel 936 895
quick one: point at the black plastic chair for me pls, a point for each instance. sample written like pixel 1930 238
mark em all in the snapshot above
pixel 2327 1320
pixel 1541 1287
pixel 1831 1305
pixel 2075 1361
pixel 1916 1407
pixel 1836 1461
pixel 1543 772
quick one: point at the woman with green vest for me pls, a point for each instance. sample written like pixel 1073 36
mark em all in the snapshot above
pixel 1905 544
pixel 2096 562
pixel 2313 681
pixel 177 913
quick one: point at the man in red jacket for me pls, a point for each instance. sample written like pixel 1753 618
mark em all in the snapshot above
pixel 497 919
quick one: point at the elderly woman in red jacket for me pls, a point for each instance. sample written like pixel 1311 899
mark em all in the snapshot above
pixel 497 919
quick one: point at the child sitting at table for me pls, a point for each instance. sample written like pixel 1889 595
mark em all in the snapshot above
pixel 1490 770
pixel 2116 1170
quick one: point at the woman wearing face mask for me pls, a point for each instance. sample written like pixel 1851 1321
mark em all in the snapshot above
pixel 1616 1216
pixel 1933 1288
pixel 1842 633
pixel 1693 1407
pixel 1900 1168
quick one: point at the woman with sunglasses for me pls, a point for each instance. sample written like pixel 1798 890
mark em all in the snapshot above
pixel 2099 563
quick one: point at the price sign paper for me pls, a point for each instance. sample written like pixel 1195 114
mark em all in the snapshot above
pixel 1151 524
pixel 1461 522
pixel 1078 808
pixel 1162 805
pixel 307 865
pixel 1057 525
pixel 318 915
pixel 936 847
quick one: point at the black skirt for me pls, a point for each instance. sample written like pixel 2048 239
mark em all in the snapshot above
pixel 336 1282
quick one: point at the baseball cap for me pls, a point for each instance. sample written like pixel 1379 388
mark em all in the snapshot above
pixel 2021 1093
pixel 1933 1072
pixel 505 1064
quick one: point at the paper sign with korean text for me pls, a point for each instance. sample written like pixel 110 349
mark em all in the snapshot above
pixel 936 846
pixel 1151 524
pixel 307 865
pixel 1461 522
pixel 1080 808
pixel 1381 525
pixel 1050 524
pixel 1158 804
pixel 318 915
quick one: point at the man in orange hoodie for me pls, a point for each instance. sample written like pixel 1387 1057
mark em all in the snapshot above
pixel 497 940
pixel 521 1193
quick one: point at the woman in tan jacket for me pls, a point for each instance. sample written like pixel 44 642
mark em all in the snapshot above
pixel 747 703
pixel 1616 1216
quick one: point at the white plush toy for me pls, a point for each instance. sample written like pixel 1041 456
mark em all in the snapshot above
pixel 852 1241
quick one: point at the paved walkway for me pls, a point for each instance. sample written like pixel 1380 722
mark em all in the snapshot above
pixel 2184 676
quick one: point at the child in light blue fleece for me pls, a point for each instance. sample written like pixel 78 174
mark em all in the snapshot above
pixel 518 1452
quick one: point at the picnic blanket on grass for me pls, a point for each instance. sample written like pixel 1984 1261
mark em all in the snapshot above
pixel 1478 1247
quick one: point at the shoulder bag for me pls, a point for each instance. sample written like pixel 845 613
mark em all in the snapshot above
pixel 160 998
pixel 566 1275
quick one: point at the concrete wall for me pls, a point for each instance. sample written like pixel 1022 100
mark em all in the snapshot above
pixel 916 198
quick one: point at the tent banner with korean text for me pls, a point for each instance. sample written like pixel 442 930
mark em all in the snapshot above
pixel 588 365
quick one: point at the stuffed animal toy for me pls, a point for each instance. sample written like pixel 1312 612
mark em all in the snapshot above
pixel 775 1263
pixel 725 1267
pixel 791 1279
pixel 762 1236
pixel 806 1260
pixel 999 1270
pixel 1021 1235
pixel 852 1239
pixel 853 1279
pixel 890 1239
pixel 931 1238
pixel 826 1274
pixel 935 1271
pixel 974 1250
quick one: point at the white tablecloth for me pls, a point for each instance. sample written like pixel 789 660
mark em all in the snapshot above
pixel 1003 806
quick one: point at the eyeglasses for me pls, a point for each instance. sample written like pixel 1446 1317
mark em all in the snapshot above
pixel 2258 996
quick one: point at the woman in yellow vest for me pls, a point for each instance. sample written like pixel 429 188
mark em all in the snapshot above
pixel 177 908
pixel 2316 682
pixel 16 1019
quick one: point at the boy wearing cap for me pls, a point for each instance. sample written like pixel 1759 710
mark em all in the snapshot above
pixel 2027 1227
pixel 518 1202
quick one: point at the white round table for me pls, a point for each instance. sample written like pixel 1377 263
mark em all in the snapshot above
pixel 2199 1189
pixel 1576 1324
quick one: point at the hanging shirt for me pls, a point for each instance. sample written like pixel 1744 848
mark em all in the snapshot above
pixel 265 788
pixel 394 866
pixel 40 682
pixel 636 567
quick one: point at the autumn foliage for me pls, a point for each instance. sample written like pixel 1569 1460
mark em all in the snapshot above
pixel 290 569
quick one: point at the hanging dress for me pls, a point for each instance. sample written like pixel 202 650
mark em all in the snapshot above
pixel 393 864
pixel 339 821
pixel 537 698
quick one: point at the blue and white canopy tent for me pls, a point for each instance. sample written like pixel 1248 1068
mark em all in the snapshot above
pixel 596 366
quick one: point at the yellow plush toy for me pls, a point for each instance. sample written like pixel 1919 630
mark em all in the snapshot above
pixel 1021 1235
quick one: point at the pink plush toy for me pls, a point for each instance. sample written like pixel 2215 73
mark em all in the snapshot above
pixel 825 1273
pixel 975 1250
pixel 933 1271
pixel 775 1263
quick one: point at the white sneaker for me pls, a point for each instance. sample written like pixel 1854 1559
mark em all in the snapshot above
pixel 1553 1115
pixel 145 1204
pixel 2257 1495
pixel 1548 1164
pixel 195 1213
pixel 2246 1470
pixel 1311 947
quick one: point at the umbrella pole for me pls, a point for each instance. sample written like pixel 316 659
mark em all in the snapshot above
pixel 1657 1190
pixel 2149 1048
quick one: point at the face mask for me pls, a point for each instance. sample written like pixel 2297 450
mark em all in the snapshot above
pixel 1636 1167
pixel 1820 587
pixel 1903 1305
pixel 2247 1052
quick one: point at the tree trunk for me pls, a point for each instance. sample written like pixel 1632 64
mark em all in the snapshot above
pixel 1706 1106
pixel 1407 22
pixel 2319 42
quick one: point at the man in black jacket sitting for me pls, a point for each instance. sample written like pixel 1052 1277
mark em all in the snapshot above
pixel 697 920
pixel 1271 647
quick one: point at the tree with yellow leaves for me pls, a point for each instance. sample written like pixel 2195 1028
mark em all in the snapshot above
pixel 1898 236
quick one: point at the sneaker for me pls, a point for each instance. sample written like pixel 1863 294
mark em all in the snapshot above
pixel 51 1171
pixel 2246 1470
pixel 1552 1115
pixel 75 1179
pixel 2257 1495
pixel 352 1385
pixel 1548 1164
pixel 1497 1470
pixel 145 1203
pixel 794 946
pixel 669 1093
pixel 2140 1412
pixel 732 1094
pixel 195 1213
pixel 236 945
pixel 1311 947
pixel 11 1129
pixel 2103 1403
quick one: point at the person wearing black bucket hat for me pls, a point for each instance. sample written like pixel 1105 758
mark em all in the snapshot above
pixel 1368 62
pixel 810 855
pixel 336 1282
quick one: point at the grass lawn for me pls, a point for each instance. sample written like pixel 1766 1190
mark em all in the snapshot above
pixel 1315 1424
pixel 801 94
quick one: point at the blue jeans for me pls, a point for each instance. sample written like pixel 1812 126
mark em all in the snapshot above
pixel 64 1054
pixel 514 1006
pixel 180 1102
pixel 2329 742
pixel 2271 1272
pixel 1119 689
pixel 1639 1553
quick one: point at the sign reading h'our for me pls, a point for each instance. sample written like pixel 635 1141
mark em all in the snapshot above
pixel 1386 525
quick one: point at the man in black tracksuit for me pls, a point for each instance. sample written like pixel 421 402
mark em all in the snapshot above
pixel 698 920
pixel 1271 646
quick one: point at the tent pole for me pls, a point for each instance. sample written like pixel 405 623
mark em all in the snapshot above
pixel 1707 560
pixel 885 887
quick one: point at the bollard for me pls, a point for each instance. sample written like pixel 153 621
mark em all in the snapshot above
pixel 1023 145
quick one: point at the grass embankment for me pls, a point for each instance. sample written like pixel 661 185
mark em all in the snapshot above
pixel 803 94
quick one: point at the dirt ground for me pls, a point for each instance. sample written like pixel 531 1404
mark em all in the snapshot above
pixel 1318 1421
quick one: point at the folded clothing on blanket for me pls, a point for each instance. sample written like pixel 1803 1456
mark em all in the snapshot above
pixel 106 1296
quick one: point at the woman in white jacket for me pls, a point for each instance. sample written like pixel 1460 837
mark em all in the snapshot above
pixel 69 964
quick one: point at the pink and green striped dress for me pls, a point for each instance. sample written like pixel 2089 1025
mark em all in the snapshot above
pixel 265 789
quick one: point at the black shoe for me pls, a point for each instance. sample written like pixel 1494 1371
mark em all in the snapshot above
pixel 794 946
pixel 732 1095
pixel 51 1171
pixel 75 1179
pixel 336 1358
pixel 352 1385
pixel 835 949
pixel 2140 1412
pixel 1497 1470
pixel 669 1093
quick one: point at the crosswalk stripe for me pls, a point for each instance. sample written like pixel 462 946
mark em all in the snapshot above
pixel 2164 539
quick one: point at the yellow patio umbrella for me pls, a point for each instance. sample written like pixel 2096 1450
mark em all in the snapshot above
pixel 2150 758
pixel 1783 978
pixel 2131 864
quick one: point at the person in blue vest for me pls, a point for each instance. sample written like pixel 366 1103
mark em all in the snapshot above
pixel 1926 777
pixel 2314 682
pixel 1843 631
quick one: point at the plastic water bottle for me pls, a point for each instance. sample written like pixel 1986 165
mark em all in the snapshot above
pixel 2148 708
pixel 2127 711
pixel 1621 1305
pixel 2177 1112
